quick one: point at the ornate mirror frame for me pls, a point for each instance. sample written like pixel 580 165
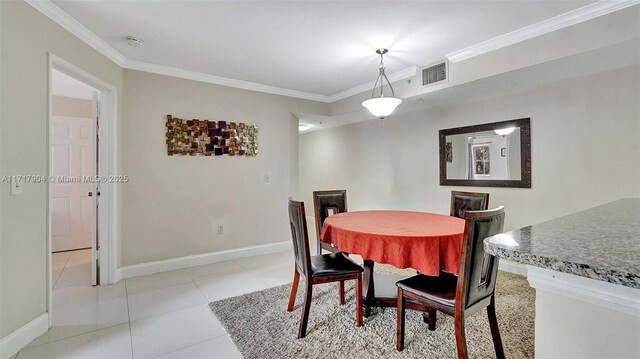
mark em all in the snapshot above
pixel 525 154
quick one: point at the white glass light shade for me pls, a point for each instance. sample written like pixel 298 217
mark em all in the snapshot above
pixel 382 106
pixel 504 131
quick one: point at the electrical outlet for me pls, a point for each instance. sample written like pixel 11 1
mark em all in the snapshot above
pixel 267 177
pixel 220 229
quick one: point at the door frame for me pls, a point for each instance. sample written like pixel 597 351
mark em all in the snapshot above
pixel 108 165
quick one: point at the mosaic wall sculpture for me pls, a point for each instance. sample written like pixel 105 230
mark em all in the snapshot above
pixel 210 138
pixel 449 151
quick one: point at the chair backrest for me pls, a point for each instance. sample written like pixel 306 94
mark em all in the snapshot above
pixel 478 270
pixel 468 201
pixel 326 203
pixel 299 235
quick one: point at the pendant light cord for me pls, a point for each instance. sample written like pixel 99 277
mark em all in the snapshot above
pixel 381 77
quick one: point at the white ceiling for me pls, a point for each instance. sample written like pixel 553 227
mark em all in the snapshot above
pixel 66 86
pixel 315 47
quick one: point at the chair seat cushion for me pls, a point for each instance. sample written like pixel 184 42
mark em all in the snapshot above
pixel 333 263
pixel 440 289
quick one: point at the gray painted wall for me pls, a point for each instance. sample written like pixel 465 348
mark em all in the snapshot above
pixel 27 37
pixel 585 150
pixel 172 204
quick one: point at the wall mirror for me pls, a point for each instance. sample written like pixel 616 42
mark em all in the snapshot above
pixel 489 155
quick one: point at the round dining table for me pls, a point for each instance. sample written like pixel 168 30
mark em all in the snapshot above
pixel 427 242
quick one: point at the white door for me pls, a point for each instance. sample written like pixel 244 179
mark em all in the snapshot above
pixel 95 261
pixel 72 157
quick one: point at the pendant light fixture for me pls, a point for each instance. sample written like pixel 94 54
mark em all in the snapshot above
pixel 504 131
pixel 382 106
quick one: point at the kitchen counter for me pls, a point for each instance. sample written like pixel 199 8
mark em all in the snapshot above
pixel 585 268
pixel 601 243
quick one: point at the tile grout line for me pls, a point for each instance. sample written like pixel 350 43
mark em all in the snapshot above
pixel 171 311
pixel 197 286
pixel 59 275
pixel 126 292
pixel 73 336
pixel 164 286
pixel 208 302
pixel 158 288
pixel 253 275
pixel 219 275
pixel 191 345
pixel 258 278
pixel 76 335
pixel 88 260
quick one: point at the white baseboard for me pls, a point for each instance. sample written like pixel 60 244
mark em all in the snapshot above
pixel 613 296
pixel 200 259
pixel 117 276
pixel 512 267
pixel 17 340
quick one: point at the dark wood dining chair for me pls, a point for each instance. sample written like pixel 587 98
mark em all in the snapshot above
pixel 463 295
pixel 325 268
pixel 468 201
pixel 326 203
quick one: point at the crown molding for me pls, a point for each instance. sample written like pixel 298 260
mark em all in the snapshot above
pixel 600 8
pixel 65 20
pixel 53 12
pixel 393 77
pixel 72 25
pixel 219 80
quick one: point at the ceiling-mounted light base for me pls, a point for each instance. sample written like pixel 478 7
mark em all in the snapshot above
pixel 381 51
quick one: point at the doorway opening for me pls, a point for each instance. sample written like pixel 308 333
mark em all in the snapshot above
pixel 82 201
pixel 73 189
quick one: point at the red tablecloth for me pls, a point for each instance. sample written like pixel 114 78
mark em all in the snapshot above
pixel 427 242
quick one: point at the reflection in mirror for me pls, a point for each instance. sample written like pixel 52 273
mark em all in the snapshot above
pixel 484 156
pixel 494 155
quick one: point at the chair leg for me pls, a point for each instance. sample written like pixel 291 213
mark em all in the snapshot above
pixel 341 292
pixel 431 320
pixel 400 326
pixel 302 330
pixel 294 290
pixel 359 300
pixel 495 332
pixel 461 341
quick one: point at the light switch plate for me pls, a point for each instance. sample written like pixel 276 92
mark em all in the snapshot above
pixel 16 188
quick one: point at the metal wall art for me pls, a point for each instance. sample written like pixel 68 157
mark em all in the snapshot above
pixel 449 150
pixel 210 138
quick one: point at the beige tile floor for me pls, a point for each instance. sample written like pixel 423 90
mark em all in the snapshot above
pixel 163 315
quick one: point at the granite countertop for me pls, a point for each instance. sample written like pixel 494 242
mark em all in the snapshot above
pixel 601 243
